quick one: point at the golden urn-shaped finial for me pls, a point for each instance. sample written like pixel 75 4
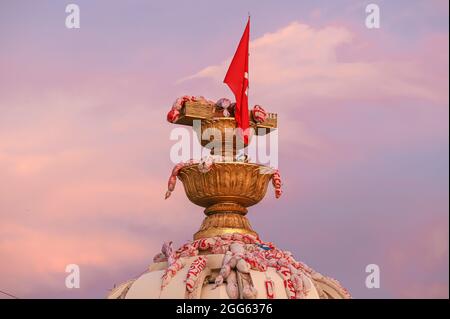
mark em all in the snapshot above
pixel 231 184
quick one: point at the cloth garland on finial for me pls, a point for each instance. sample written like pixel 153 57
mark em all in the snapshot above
pixel 259 114
pixel 225 105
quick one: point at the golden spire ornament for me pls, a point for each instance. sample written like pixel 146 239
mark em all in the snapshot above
pixel 227 259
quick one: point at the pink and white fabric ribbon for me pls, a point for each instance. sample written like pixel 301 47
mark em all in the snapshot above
pixel 285 273
pixel 242 253
pixel 174 112
pixel 276 182
pixel 173 179
pixel 171 271
pixel 197 266
pixel 226 105
pixel 204 166
pixel 259 114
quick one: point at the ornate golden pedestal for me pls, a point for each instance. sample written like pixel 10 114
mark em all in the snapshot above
pixel 230 186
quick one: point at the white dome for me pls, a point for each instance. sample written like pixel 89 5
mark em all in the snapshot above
pixel 277 282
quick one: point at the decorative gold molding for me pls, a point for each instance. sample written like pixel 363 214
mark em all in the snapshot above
pixel 195 110
pixel 235 182
pixel 225 191
pixel 224 223
pixel 226 127
pixel 228 207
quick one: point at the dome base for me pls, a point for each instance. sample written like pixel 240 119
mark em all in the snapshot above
pixel 230 266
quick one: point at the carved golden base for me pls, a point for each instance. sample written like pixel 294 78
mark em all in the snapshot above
pixel 224 218
pixel 224 223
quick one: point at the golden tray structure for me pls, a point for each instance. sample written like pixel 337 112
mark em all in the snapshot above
pixel 194 110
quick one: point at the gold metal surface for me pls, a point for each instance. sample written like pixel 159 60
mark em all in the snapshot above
pixel 195 110
pixel 235 182
pixel 226 207
pixel 224 223
pixel 225 191
pixel 225 126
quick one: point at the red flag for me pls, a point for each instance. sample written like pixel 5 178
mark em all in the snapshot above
pixel 237 79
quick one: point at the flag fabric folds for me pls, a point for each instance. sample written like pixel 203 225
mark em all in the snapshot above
pixel 237 79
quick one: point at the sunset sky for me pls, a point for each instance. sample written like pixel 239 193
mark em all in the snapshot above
pixel 363 139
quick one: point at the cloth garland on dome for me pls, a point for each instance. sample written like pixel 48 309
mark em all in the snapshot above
pixel 234 262
pixel 171 271
pixel 174 264
pixel 286 274
pixel 193 274
pixel 243 252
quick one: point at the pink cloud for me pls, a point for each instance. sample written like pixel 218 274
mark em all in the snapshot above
pixel 34 256
pixel 419 251
pixel 304 62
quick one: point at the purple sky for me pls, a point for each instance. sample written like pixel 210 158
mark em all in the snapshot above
pixel 84 144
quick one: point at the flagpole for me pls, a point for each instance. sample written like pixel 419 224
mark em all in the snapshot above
pixel 237 79
pixel 248 71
